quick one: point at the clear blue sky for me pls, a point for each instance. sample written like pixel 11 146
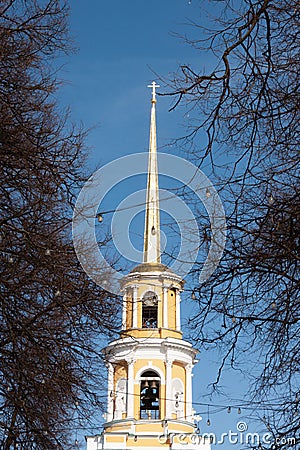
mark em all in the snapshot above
pixel 121 43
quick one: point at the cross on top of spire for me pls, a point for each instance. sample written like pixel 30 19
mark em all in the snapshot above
pixel 153 85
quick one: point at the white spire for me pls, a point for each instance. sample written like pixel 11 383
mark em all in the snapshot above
pixel 152 225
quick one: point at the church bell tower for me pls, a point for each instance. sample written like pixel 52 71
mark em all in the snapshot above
pixel 149 393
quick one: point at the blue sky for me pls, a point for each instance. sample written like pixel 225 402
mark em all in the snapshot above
pixel 121 44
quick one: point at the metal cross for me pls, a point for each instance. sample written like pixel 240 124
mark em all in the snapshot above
pixel 153 85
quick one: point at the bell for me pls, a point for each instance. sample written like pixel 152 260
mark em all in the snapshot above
pixel 149 395
pixel 148 399
pixel 153 385
pixel 145 384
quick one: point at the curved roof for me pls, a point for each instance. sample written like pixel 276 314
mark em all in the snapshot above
pixel 152 267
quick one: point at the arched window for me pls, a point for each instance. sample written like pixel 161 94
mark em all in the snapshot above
pixel 149 395
pixel 149 310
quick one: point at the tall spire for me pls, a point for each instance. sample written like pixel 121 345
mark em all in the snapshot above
pixel 152 224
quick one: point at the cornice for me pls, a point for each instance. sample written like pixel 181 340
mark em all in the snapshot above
pixel 151 275
pixel 128 346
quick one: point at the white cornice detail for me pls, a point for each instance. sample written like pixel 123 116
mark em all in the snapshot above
pixel 158 275
pixel 154 368
pixel 151 348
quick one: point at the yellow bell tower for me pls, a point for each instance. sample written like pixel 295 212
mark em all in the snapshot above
pixel 149 401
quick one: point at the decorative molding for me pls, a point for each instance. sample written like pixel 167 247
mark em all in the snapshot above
pixel 130 361
pixel 189 367
pixel 153 288
pixel 157 275
pixel 155 369
pixel 150 348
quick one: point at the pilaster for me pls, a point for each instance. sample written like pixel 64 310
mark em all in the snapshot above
pixel 177 310
pixel 134 306
pixel 169 364
pixel 188 391
pixel 110 392
pixel 124 311
pixel 130 388
pixel 165 307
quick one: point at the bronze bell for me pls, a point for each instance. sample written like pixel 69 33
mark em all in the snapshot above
pixel 153 385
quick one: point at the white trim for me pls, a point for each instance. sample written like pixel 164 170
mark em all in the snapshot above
pixel 110 388
pixel 134 306
pixel 149 342
pixel 130 388
pixel 150 349
pixel 188 390
pixel 124 311
pixel 156 275
pixel 169 365
pixel 177 297
pixel 165 307
pixel 152 367
pixel 154 289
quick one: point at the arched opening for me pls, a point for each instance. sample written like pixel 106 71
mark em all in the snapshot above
pixel 150 310
pixel 149 395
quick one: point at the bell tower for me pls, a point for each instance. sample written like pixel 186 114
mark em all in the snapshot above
pixel 149 395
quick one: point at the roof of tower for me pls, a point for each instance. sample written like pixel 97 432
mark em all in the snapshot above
pixel 152 252
pixel 152 267
pixel 152 222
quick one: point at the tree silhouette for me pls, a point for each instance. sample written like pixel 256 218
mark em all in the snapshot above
pixel 247 106
pixel 51 314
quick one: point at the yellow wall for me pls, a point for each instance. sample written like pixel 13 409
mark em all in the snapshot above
pixel 159 363
pixel 120 371
pixel 171 309
pixel 144 442
pixel 129 309
pixel 114 438
pixel 139 312
pixel 178 371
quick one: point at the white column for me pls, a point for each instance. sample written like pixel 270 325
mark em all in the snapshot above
pixel 130 388
pixel 169 364
pixel 124 311
pixel 177 310
pixel 165 309
pixel 188 391
pixel 110 392
pixel 134 307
